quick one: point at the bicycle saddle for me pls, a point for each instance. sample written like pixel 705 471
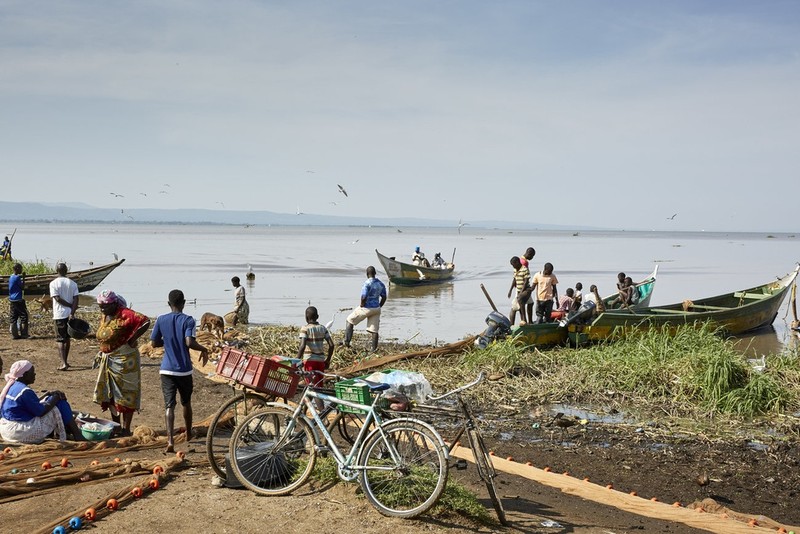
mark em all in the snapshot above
pixel 373 386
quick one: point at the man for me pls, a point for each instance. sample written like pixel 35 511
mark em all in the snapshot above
pixel 18 308
pixel 5 249
pixel 373 297
pixel 175 332
pixel 64 293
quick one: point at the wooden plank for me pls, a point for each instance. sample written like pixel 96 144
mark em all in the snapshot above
pixel 754 296
pixel 629 503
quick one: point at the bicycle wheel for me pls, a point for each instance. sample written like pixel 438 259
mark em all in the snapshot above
pixel 486 471
pixel 267 457
pixel 348 425
pixel 410 485
pixel 223 424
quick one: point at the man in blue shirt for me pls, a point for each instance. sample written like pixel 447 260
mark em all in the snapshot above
pixel 373 297
pixel 19 310
pixel 175 332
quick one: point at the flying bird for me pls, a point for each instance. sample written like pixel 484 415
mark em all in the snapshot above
pixel 299 212
pixel 460 224
pixel 354 242
pixel 143 194
pixel 116 258
pixel 220 203
pixel 116 195
pixel 341 190
pixel 162 192
pixel 670 218
pixel 167 185
pixel 421 275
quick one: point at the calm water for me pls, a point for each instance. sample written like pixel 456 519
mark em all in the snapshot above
pixel 325 266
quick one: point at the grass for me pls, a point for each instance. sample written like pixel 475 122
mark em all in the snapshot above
pixel 29 268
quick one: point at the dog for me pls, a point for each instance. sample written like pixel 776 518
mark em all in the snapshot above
pixel 215 324
pixel 46 302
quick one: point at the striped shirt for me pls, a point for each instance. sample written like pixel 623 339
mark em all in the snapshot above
pixel 315 336
pixel 521 277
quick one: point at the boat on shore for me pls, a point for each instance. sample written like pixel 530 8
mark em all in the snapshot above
pixel 87 279
pixel 409 274
pixel 557 333
pixel 731 313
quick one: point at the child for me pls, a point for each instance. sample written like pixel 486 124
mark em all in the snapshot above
pixel 313 337
pixel 544 283
pixel 175 332
pixel 521 282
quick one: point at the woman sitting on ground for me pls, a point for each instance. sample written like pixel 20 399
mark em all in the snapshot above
pixel 25 418
pixel 119 380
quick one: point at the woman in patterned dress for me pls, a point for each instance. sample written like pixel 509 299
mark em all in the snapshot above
pixel 119 380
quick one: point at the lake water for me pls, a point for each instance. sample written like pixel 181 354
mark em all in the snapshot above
pixel 325 266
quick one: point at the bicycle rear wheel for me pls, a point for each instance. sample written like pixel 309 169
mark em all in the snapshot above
pixel 410 484
pixel 233 411
pixel 348 425
pixel 267 457
pixel 486 471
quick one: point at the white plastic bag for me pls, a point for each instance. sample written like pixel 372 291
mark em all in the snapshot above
pixel 414 385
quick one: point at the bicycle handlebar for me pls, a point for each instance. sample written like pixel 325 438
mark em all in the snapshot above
pixel 459 389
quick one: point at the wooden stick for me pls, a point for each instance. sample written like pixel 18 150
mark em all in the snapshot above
pixel 488 298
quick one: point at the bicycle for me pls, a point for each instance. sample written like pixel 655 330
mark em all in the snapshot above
pixel 401 463
pixel 483 461
pixel 246 401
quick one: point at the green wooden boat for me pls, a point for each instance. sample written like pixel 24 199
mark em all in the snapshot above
pixel 410 274
pixel 555 333
pixel 732 313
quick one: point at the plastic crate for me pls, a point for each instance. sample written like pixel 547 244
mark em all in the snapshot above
pixel 258 372
pixel 350 390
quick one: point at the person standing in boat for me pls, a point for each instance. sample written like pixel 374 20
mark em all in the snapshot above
pixel 241 308
pixel 373 297
pixel 544 283
pixel 5 249
pixel 64 293
pixel 419 258
pixel 18 313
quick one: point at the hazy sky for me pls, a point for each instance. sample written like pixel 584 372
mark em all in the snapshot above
pixel 614 114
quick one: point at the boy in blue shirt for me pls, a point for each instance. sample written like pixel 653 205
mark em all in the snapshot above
pixel 19 310
pixel 175 332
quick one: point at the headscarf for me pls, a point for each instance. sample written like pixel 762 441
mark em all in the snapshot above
pixel 109 297
pixel 18 368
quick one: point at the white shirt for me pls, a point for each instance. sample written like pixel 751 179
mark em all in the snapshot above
pixel 66 289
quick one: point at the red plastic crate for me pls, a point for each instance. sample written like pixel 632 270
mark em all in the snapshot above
pixel 257 372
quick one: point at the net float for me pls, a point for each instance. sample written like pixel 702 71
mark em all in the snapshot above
pixel 90 514
pixel 112 504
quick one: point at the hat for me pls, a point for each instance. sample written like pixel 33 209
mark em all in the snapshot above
pixel 416 249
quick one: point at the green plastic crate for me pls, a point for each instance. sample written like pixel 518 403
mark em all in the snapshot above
pixel 350 391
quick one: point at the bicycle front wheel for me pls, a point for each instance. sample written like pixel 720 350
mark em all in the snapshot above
pixel 486 472
pixel 404 468
pixel 269 457
pixel 225 421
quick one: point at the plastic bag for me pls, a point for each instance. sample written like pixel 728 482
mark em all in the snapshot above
pixel 413 385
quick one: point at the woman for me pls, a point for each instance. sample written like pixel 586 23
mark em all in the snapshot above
pixel 119 380
pixel 25 418
pixel 242 308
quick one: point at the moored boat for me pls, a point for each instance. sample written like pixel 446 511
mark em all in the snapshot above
pixel 730 313
pixel 87 279
pixel 555 333
pixel 409 274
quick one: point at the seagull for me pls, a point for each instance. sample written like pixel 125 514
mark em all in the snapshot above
pixel 460 224
pixel 143 194
pixel 116 195
pixel 167 185
pixel 116 258
pixel 399 231
pixel 421 275
pixel 162 192
pixel 312 172
pixel 220 203
pixel 334 203
pixel 299 212
pixel 131 218
pixel 341 190
pixel 671 218
pixel 354 242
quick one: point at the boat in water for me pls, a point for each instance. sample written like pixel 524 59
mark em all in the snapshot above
pixel 409 274
pixel 557 332
pixel 730 314
pixel 87 279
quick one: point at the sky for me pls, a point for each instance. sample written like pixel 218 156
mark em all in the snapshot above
pixel 627 114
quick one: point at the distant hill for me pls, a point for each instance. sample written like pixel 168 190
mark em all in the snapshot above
pixel 76 212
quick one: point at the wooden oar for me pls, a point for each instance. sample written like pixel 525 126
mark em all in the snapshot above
pixel 488 298
pixel 795 322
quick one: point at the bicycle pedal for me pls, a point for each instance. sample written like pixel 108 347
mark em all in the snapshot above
pixel 460 464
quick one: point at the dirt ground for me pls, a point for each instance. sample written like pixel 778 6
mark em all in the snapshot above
pixel 760 480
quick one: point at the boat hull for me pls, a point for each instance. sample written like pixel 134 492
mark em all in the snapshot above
pixel 408 274
pixel 87 279
pixel 731 313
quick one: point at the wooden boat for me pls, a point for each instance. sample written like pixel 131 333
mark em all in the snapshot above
pixel 731 313
pixel 410 274
pixel 548 334
pixel 39 284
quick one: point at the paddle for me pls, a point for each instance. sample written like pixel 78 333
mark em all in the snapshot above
pixel 488 298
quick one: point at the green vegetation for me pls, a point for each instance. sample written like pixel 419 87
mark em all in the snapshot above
pixel 36 267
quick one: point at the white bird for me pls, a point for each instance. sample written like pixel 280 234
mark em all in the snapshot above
pixel 116 258
pixel 299 212
pixel 421 275
pixel 354 242
pixel 460 224
pixel 329 324
pixel 143 194
pixel 671 218
pixel 341 190
pixel 162 192
pixel 220 203
pixel 116 195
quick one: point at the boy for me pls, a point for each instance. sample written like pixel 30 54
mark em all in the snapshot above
pixel 521 282
pixel 544 283
pixel 18 308
pixel 313 337
pixel 175 332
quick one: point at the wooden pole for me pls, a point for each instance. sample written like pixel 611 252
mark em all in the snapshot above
pixel 488 298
